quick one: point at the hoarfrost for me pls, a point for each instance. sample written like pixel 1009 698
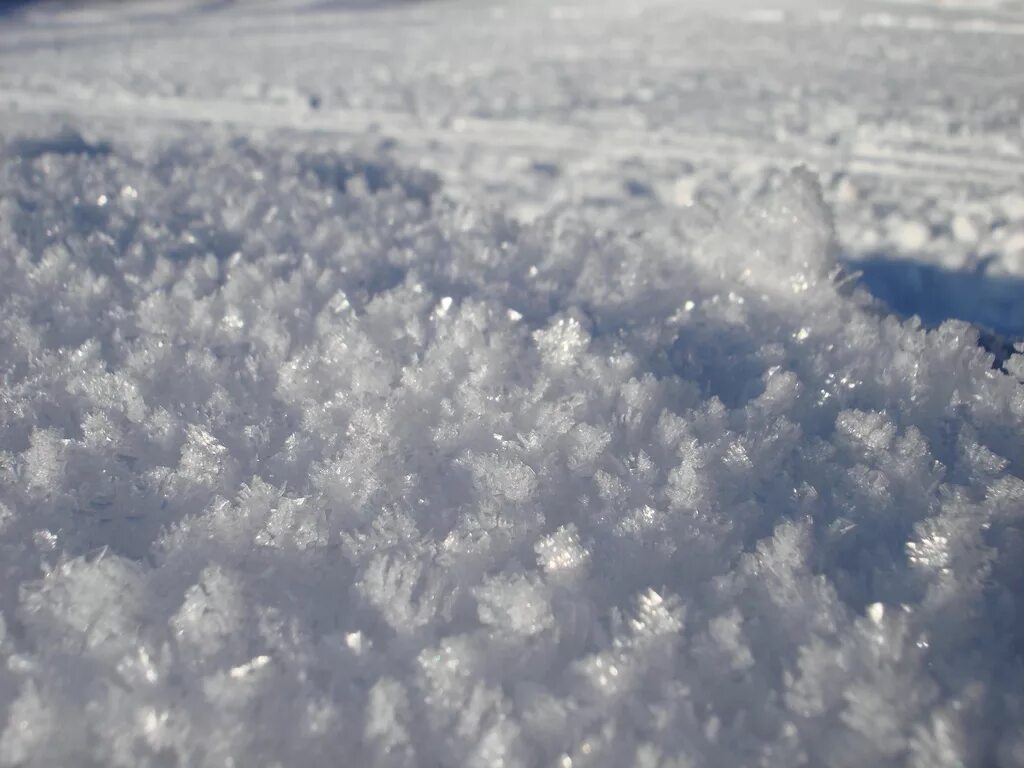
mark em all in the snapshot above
pixel 298 470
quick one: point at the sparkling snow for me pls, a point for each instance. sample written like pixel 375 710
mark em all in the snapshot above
pixel 512 384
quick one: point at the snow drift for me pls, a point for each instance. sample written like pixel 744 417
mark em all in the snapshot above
pixel 301 464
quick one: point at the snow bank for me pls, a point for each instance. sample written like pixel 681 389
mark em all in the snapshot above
pixel 301 464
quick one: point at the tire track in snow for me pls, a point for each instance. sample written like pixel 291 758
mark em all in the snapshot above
pixel 356 25
pixel 953 164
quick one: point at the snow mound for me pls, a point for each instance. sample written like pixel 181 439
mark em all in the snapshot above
pixel 301 464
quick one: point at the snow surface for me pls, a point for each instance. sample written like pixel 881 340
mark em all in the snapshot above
pixel 445 384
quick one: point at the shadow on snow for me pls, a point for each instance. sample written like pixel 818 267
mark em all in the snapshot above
pixel 935 294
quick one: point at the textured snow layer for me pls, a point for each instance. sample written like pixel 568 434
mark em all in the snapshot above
pixel 464 383
pixel 303 464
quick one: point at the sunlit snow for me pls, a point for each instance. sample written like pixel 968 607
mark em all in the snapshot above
pixel 512 384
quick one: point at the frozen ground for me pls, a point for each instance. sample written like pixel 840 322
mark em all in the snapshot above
pixel 475 383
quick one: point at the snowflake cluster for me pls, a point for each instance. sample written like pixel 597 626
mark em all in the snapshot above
pixel 302 464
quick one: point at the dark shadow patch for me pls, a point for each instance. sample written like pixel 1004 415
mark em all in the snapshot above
pixel 935 294
pixel 11 7
pixel 638 188
pixel 549 170
pixel 340 172
pixel 67 142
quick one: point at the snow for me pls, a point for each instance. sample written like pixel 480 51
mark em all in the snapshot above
pixel 564 396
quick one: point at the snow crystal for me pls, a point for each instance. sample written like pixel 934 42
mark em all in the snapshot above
pixel 301 463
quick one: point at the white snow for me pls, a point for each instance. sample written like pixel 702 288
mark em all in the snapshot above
pixel 517 403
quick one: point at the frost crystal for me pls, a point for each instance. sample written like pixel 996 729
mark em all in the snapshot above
pixel 303 464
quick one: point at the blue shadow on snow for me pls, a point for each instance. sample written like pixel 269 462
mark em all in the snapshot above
pixel 935 294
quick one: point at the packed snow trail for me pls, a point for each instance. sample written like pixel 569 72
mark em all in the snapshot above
pixel 477 384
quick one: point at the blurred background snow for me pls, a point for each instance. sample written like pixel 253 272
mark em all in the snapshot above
pixel 909 111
